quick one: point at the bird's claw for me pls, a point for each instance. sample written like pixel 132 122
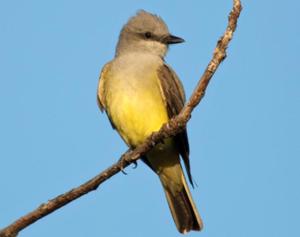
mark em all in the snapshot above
pixel 124 162
pixel 121 166
pixel 135 164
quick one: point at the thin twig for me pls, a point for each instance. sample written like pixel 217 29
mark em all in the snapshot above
pixel 173 127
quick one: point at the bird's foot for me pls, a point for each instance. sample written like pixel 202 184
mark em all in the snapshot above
pixel 121 165
pixel 135 164
pixel 124 163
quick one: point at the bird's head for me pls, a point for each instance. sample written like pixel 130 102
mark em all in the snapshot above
pixel 146 33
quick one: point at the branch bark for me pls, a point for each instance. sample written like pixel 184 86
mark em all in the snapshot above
pixel 174 126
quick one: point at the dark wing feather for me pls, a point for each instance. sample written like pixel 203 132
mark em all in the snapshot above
pixel 174 98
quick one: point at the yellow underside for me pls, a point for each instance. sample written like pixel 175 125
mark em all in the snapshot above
pixel 135 104
pixel 136 108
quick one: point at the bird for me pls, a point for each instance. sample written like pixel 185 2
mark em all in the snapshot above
pixel 139 93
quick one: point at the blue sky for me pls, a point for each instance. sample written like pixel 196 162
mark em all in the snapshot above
pixel 244 136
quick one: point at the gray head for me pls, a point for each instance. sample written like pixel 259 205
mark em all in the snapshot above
pixel 147 33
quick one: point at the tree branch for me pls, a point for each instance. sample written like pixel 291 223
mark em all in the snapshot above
pixel 174 126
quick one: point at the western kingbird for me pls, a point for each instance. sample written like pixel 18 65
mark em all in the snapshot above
pixel 139 93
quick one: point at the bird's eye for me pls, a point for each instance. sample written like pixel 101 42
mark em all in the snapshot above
pixel 148 35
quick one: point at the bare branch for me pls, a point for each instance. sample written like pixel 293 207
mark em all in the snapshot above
pixel 174 126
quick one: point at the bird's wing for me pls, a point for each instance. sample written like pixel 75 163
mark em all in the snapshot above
pixel 174 98
pixel 101 91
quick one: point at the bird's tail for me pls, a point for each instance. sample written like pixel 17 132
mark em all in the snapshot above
pixel 182 206
pixel 164 160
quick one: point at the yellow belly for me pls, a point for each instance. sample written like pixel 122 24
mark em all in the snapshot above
pixel 136 107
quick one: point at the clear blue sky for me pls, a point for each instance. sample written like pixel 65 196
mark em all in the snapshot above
pixel 244 136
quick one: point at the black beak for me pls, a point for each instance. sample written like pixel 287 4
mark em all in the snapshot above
pixel 172 39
